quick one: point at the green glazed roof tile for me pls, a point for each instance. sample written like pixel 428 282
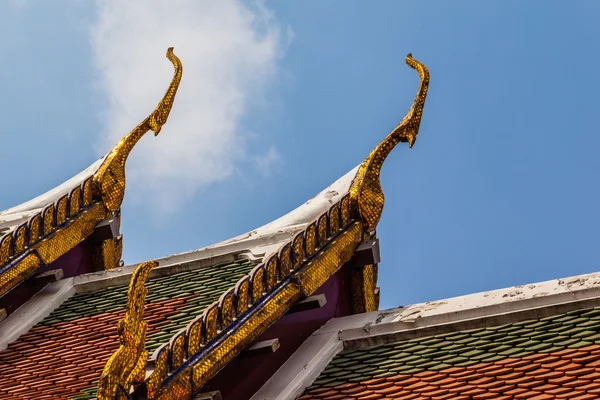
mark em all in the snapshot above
pixel 592 313
pixel 200 287
pixel 465 348
pixel 581 343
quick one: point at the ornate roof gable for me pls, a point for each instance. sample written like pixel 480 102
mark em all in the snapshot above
pixel 200 314
pixel 296 270
pixel 38 232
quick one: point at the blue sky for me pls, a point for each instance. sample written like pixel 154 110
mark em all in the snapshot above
pixel 499 190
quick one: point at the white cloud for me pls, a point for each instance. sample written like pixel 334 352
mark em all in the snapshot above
pixel 267 162
pixel 229 50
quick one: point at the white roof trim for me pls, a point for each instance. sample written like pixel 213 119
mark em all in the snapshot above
pixel 309 361
pixel 15 216
pixel 268 238
pixel 35 310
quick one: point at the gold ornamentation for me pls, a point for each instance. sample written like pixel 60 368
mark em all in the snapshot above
pixel 363 282
pixel 327 243
pixel 127 365
pixel 365 191
pixel 5 244
pixel 48 219
pixel 310 239
pixel 50 247
pixel 304 281
pixel 109 180
pixel 161 369
pixel 180 387
pixel 24 268
pixel 177 345
pixel 271 267
pixel 227 349
pixel 226 327
pixel 317 270
pixel 55 232
pixel 257 282
pixel 242 295
pixel 345 210
pixel 35 226
pixel 210 321
pixel 61 210
pixel 285 260
pixel 298 249
pixel 194 334
pixel 226 308
pixel 20 239
pixel 75 201
pixel 104 255
pixel 87 192
pixel 322 231
pixel 71 234
pixel 334 219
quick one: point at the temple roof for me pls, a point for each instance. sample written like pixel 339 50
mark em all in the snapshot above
pixel 544 358
pixel 538 341
pixel 73 320
pixel 198 310
pixel 63 354
pixel 38 232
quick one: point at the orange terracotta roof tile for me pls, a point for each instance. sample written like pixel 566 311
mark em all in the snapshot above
pixel 63 356
pixel 543 396
pixel 570 395
pixel 586 396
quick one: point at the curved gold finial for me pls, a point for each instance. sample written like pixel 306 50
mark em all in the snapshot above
pixel 365 191
pixel 127 365
pixel 109 180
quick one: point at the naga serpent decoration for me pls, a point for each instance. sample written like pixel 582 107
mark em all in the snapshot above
pixel 366 193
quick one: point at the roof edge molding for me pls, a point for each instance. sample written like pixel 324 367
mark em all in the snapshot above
pixel 365 192
pixel 127 365
pixel 38 232
pixel 109 180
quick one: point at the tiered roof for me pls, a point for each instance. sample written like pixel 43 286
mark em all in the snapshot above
pixel 198 310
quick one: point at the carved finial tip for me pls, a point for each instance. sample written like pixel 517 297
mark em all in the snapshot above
pixel 409 55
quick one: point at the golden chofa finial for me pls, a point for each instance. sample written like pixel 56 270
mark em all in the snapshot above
pixel 109 180
pixel 365 191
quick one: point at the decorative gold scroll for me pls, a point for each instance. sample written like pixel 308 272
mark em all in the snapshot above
pixel 127 365
pixel 365 192
pixel 109 180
